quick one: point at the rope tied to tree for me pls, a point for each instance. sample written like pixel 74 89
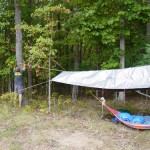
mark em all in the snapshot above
pixel 142 93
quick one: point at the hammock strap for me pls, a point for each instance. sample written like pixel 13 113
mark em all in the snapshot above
pixel 103 103
pixel 102 100
pixel 102 112
pixel 95 96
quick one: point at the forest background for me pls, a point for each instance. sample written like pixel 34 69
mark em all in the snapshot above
pixel 77 34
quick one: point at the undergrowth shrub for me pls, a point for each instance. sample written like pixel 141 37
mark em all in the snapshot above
pixel 8 98
pixel 63 103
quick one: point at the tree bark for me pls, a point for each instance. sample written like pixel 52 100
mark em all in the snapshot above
pixel 29 67
pixel 30 82
pixel 148 31
pixel 122 58
pixel 148 25
pixel 18 33
pixel 76 65
pixel 9 84
pixel 2 86
pixel 148 37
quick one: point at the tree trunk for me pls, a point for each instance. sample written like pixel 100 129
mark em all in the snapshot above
pixel 2 85
pixel 59 29
pixel 148 31
pixel 29 67
pixel 148 25
pixel 18 33
pixel 148 37
pixel 30 82
pixel 122 58
pixel 76 65
pixel 97 91
pixel 9 84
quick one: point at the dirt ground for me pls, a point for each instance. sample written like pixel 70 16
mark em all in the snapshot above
pixel 26 131
pixel 76 127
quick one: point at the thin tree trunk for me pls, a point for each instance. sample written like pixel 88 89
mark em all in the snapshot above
pixel 59 29
pixel 148 38
pixel 3 83
pixel 30 82
pixel 97 91
pixel 148 25
pixel 9 84
pixel 148 31
pixel 122 58
pixel 2 86
pixel 76 65
pixel 29 67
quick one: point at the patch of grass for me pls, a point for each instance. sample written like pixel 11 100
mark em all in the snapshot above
pixel 38 138
pixel 23 118
pixel 15 146
pixel 30 124
pixel 7 133
pixel 64 123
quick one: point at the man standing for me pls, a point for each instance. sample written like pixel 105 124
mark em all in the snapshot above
pixel 19 83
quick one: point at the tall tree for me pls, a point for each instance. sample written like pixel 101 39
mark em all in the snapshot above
pixel 18 33
pixel 95 25
pixel 122 57
pixel 76 66
pixel 148 24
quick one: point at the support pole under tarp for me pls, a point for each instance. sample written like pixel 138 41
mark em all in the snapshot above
pixel 49 87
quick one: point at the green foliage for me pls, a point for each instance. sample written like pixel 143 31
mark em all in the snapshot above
pixel 110 64
pixel 42 34
pixel 6 25
pixel 28 108
pixel 146 56
pixel 135 53
pixel 60 102
pixel 100 24
pixel 53 28
pixel 7 97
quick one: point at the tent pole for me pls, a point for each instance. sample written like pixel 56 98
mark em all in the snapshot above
pixel 49 87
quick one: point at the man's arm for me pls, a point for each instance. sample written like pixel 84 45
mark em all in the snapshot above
pixel 14 69
pixel 22 68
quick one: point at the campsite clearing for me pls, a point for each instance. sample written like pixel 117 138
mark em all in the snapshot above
pixel 77 127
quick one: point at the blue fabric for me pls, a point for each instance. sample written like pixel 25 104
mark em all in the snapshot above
pixel 19 89
pixel 18 78
pixel 138 119
pixel 115 120
pixel 147 122
pixel 125 117
pixel 147 118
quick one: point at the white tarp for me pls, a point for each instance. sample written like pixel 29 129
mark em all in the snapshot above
pixel 129 78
